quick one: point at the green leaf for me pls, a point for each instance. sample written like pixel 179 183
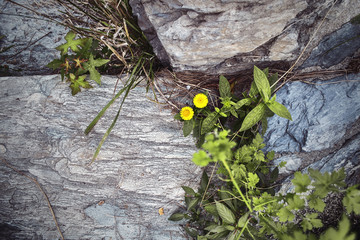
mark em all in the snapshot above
pixel 90 66
pixel 226 197
pixel 242 102
pixel 234 113
pixel 279 110
pixel 176 217
pixel 316 203
pixel 193 203
pixel 177 117
pixel 212 210
pixel 296 203
pixel 352 200
pixel 77 82
pixel 253 117
pixel 285 215
pixel 204 182
pixel 325 183
pixel 262 83
pixel 201 158
pixel 226 214
pixel 264 125
pixel 209 122
pixel 188 127
pixel 55 64
pixel 252 179
pixel 342 233
pixel 242 220
pixel 311 221
pixel 188 190
pixel 301 182
pixel 224 87
pixel 71 43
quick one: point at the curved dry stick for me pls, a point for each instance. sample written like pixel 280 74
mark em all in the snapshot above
pixel 43 192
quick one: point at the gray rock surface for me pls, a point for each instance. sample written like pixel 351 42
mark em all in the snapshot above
pixel 32 36
pixel 227 36
pixel 140 169
pixel 325 133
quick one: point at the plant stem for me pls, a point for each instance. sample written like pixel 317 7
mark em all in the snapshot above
pixel 236 185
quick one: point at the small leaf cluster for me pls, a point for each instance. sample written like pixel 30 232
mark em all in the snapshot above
pixel 77 58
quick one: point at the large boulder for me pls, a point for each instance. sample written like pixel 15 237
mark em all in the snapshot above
pixel 228 36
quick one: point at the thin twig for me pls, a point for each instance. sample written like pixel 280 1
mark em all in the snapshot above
pixel 43 192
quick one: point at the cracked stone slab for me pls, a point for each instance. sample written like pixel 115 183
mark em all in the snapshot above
pixel 325 133
pixel 228 36
pixel 141 167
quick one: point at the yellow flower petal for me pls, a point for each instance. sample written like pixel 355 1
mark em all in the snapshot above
pixel 187 113
pixel 200 100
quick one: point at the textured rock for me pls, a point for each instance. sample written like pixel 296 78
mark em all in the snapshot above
pixel 325 133
pixel 32 36
pixel 140 168
pixel 227 36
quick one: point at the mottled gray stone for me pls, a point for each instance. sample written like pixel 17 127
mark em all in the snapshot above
pixel 321 112
pixel 334 48
pixel 33 37
pixel 228 36
pixel 140 168
pixel 325 133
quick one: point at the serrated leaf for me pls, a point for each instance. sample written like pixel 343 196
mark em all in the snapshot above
pixel 77 82
pixel 71 43
pixel 262 83
pixel 296 203
pixel 253 117
pixel 325 183
pixel 343 231
pixel 252 179
pixel 279 110
pixel 352 200
pixel 316 203
pixel 285 215
pixel 226 214
pixel 301 182
pixel 201 158
pixel 311 221
pixel 209 122
pixel 92 64
pixel 188 127
pixel 176 217
pixel 55 64
pixel 188 190
pixel 224 87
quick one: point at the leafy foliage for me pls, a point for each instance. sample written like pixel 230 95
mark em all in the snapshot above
pixel 75 64
pixel 246 206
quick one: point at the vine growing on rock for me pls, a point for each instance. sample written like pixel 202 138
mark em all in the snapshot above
pixel 246 205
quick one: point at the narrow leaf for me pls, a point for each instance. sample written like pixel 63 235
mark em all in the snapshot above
pixel 224 87
pixel 262 83
pixel 253 117
pixel 176 217
pixel 279 110
pixel 209 122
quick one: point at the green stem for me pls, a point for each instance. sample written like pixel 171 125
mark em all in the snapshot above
pixel 236 185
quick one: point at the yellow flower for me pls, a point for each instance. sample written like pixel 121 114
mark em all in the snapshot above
pixel 200 100
pixel 186 113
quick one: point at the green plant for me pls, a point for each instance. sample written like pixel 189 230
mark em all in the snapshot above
pixel 255 106
pixel 246 206
pixel 74 64
pixel 117 36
